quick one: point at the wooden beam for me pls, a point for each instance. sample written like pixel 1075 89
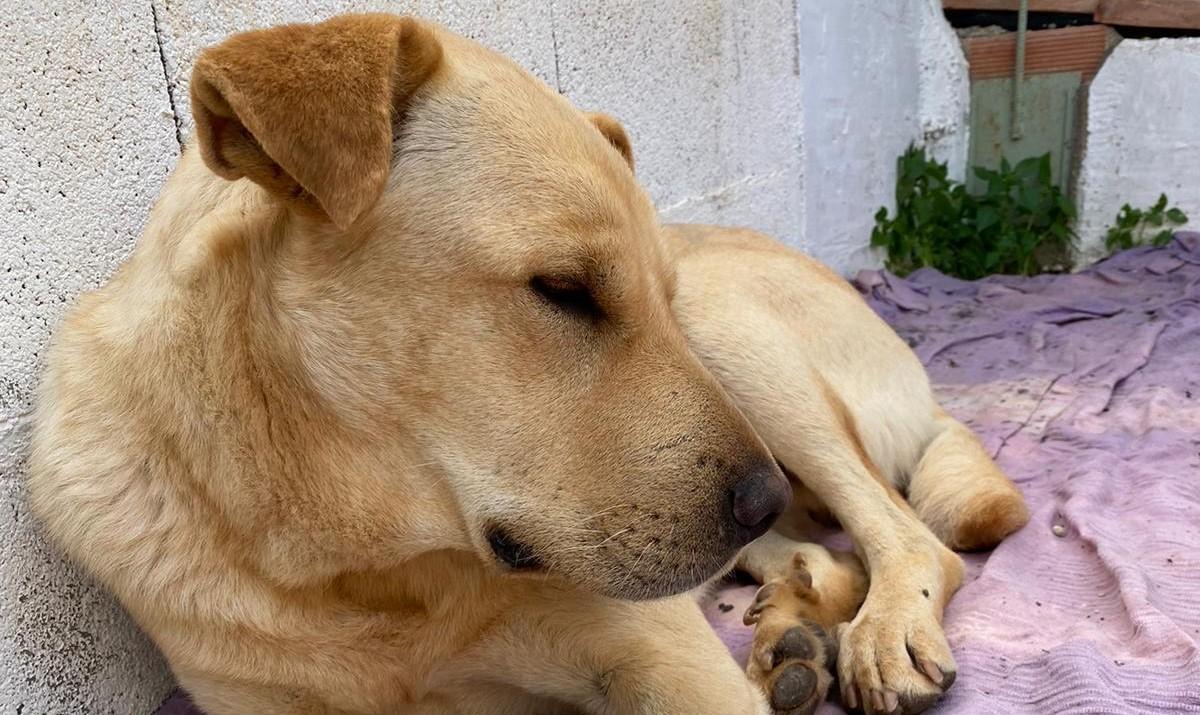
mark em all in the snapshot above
pixel 1175 14
pixel 1084 7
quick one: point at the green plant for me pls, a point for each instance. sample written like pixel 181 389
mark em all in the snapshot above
pixel 1133 224
pixel 1021 223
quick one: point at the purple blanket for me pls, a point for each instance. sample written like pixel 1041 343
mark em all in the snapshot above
pixel 1086 388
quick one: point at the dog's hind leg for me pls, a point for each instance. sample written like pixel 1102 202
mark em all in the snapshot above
pixel 960 493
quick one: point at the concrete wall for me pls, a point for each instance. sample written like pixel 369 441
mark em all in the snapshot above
pixel 712 91
pixel 86 139
pixel 1143 136
pixel 877 76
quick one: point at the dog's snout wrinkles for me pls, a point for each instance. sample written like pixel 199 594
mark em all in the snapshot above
pixel 757 499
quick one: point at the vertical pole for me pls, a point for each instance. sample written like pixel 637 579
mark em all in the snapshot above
pixel 1019 72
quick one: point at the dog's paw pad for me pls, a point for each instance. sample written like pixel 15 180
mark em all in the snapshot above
pixel 792 660
pixel 796 642
pixel 794 687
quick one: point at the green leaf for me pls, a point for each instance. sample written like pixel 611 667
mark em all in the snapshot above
pixel 1027 168
pixel 1028 198
pixel 1176 216
pixel 987 217
pixel 1018 217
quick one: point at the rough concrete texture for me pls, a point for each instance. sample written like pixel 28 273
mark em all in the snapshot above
pixel 1143 136
pixel 710 91
pixel 711 94
pixel 96 106
pixel 86 139
pixel 877 76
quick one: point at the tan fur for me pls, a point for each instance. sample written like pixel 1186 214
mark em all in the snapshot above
pixel 960 493
pixel 847 409
pixel 283 430
pixel 615 134
pixel 266 103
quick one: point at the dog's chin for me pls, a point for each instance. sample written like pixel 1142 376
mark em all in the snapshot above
pixel 641 578
pixel 674 579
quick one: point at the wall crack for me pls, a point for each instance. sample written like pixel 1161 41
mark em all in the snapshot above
pixel 554 42
pixel 162 59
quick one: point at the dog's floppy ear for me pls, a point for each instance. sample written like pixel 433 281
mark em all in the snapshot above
pixel 614 133
pixel 306 111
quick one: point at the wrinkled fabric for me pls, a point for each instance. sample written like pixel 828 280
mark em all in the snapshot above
pixel 1086 390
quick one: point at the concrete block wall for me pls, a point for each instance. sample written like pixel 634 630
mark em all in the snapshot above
pixel 747 113
pixel 1142 136
pixel 86 139
pixel 877 76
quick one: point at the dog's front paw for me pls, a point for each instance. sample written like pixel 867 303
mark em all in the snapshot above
pixel 893 660
pixel 792 659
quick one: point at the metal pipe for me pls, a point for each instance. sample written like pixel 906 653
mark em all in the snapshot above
pixel 1019 73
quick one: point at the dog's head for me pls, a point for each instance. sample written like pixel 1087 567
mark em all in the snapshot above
pixel 473 273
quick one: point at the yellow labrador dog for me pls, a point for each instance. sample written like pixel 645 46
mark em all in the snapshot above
pixel 390 412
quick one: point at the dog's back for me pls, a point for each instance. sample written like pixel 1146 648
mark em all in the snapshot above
pixel 787 337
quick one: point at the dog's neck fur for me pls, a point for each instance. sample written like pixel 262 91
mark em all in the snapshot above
pixel 299 430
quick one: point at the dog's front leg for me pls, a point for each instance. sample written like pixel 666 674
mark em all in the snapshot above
pixel 893 655
pixel 613 657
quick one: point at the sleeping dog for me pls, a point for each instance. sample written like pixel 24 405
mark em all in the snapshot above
pixel 405 402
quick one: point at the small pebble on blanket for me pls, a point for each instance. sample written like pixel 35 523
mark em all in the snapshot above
pixel 1082 387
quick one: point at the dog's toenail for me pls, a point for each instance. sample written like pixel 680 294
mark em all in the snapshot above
pixel 877 700
pixel 795 643
pixel 850 698
pixel 891 701
pixel 948 677
pixel 931 670
pixel 793 686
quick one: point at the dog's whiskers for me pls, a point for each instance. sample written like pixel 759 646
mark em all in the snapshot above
pixel 601 513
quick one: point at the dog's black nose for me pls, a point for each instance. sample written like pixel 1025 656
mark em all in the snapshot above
pixel 757 499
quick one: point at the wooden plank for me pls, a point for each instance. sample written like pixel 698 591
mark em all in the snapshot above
pixel 1174 14
pixel 1084 7
pixel 1070 49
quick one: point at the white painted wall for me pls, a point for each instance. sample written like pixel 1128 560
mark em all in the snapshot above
pixel 877 76
pixel 1143 136
pixel 712 92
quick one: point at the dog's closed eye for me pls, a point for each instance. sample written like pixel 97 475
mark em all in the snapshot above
pixel 567 295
